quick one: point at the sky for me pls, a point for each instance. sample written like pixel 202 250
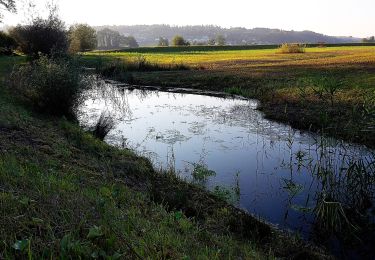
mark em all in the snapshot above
pixel 332 17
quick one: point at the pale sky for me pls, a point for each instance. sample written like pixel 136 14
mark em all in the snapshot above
pixel 331 17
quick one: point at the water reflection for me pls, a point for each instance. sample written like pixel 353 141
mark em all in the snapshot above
pixel 320 187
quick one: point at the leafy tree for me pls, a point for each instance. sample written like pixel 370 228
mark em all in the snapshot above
pixel 129 41
pixel 7 44
pixel 108 39
pixel 9 5
pixel 211 41
pixel 220 40
pixel 163 42
pixel 82 37
pixel 46 36
pixel 179 41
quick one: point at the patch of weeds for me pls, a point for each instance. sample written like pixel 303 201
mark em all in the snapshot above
pixel 121 70
pixel 222 193
pixel 292 48
pixel 326 87
pixel 236 91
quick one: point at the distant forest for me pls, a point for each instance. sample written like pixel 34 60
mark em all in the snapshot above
pixel 150 35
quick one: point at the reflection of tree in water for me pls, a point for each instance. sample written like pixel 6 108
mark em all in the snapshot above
pixel 114 97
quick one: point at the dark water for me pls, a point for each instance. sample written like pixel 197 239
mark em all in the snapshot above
pixel 297 181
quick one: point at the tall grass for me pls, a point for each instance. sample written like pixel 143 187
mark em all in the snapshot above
pixel 103 126
pixel 121 70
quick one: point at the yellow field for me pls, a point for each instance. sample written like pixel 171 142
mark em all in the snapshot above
pixel 255 58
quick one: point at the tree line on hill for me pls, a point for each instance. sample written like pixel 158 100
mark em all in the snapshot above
pixel 369 40
pixel 82 37
pixel 149 35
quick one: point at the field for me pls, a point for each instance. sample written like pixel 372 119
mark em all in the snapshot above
pixel 326 89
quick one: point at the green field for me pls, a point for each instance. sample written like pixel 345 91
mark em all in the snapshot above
pixel 326 89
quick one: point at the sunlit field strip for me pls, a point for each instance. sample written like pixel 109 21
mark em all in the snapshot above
pixel 268 57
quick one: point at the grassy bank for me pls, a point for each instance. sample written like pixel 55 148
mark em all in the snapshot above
pixel 66 194
pixel 325 89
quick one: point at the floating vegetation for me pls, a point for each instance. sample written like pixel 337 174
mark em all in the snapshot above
pixel 171 137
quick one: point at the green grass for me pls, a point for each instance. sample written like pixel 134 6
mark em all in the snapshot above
pixel 284 83
pixel 65 194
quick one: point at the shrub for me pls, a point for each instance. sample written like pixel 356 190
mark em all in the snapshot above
pixel 7 44
pixel 163 42
pixel 179 41
pixel 51 86
pixel 292 48
pixel 46 36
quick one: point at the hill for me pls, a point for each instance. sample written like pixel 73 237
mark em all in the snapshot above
pixel 147 35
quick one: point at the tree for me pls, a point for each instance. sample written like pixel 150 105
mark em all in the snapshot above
pixel 108 39
pixel 220 40
pixel 370 39
pixel 129 41
pixel 9 5
pixel 7 44
pixel 82 37
pixel 163 42
pixel 211 41
pixel 179 41
pixel 46 36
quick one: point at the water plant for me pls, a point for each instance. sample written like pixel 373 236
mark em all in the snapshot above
pixel 326 87
pixel 200 172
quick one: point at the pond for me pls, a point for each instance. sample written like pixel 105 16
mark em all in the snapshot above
pixel 319 187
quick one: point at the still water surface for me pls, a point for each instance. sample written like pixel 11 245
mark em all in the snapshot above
pixel 273 171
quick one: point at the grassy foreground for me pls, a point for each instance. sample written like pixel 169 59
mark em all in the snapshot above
pixel 326 89
pixel 64 194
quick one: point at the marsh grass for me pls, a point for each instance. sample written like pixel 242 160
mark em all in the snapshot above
pixel 236 91
pixel 103 126
pixel 343 206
